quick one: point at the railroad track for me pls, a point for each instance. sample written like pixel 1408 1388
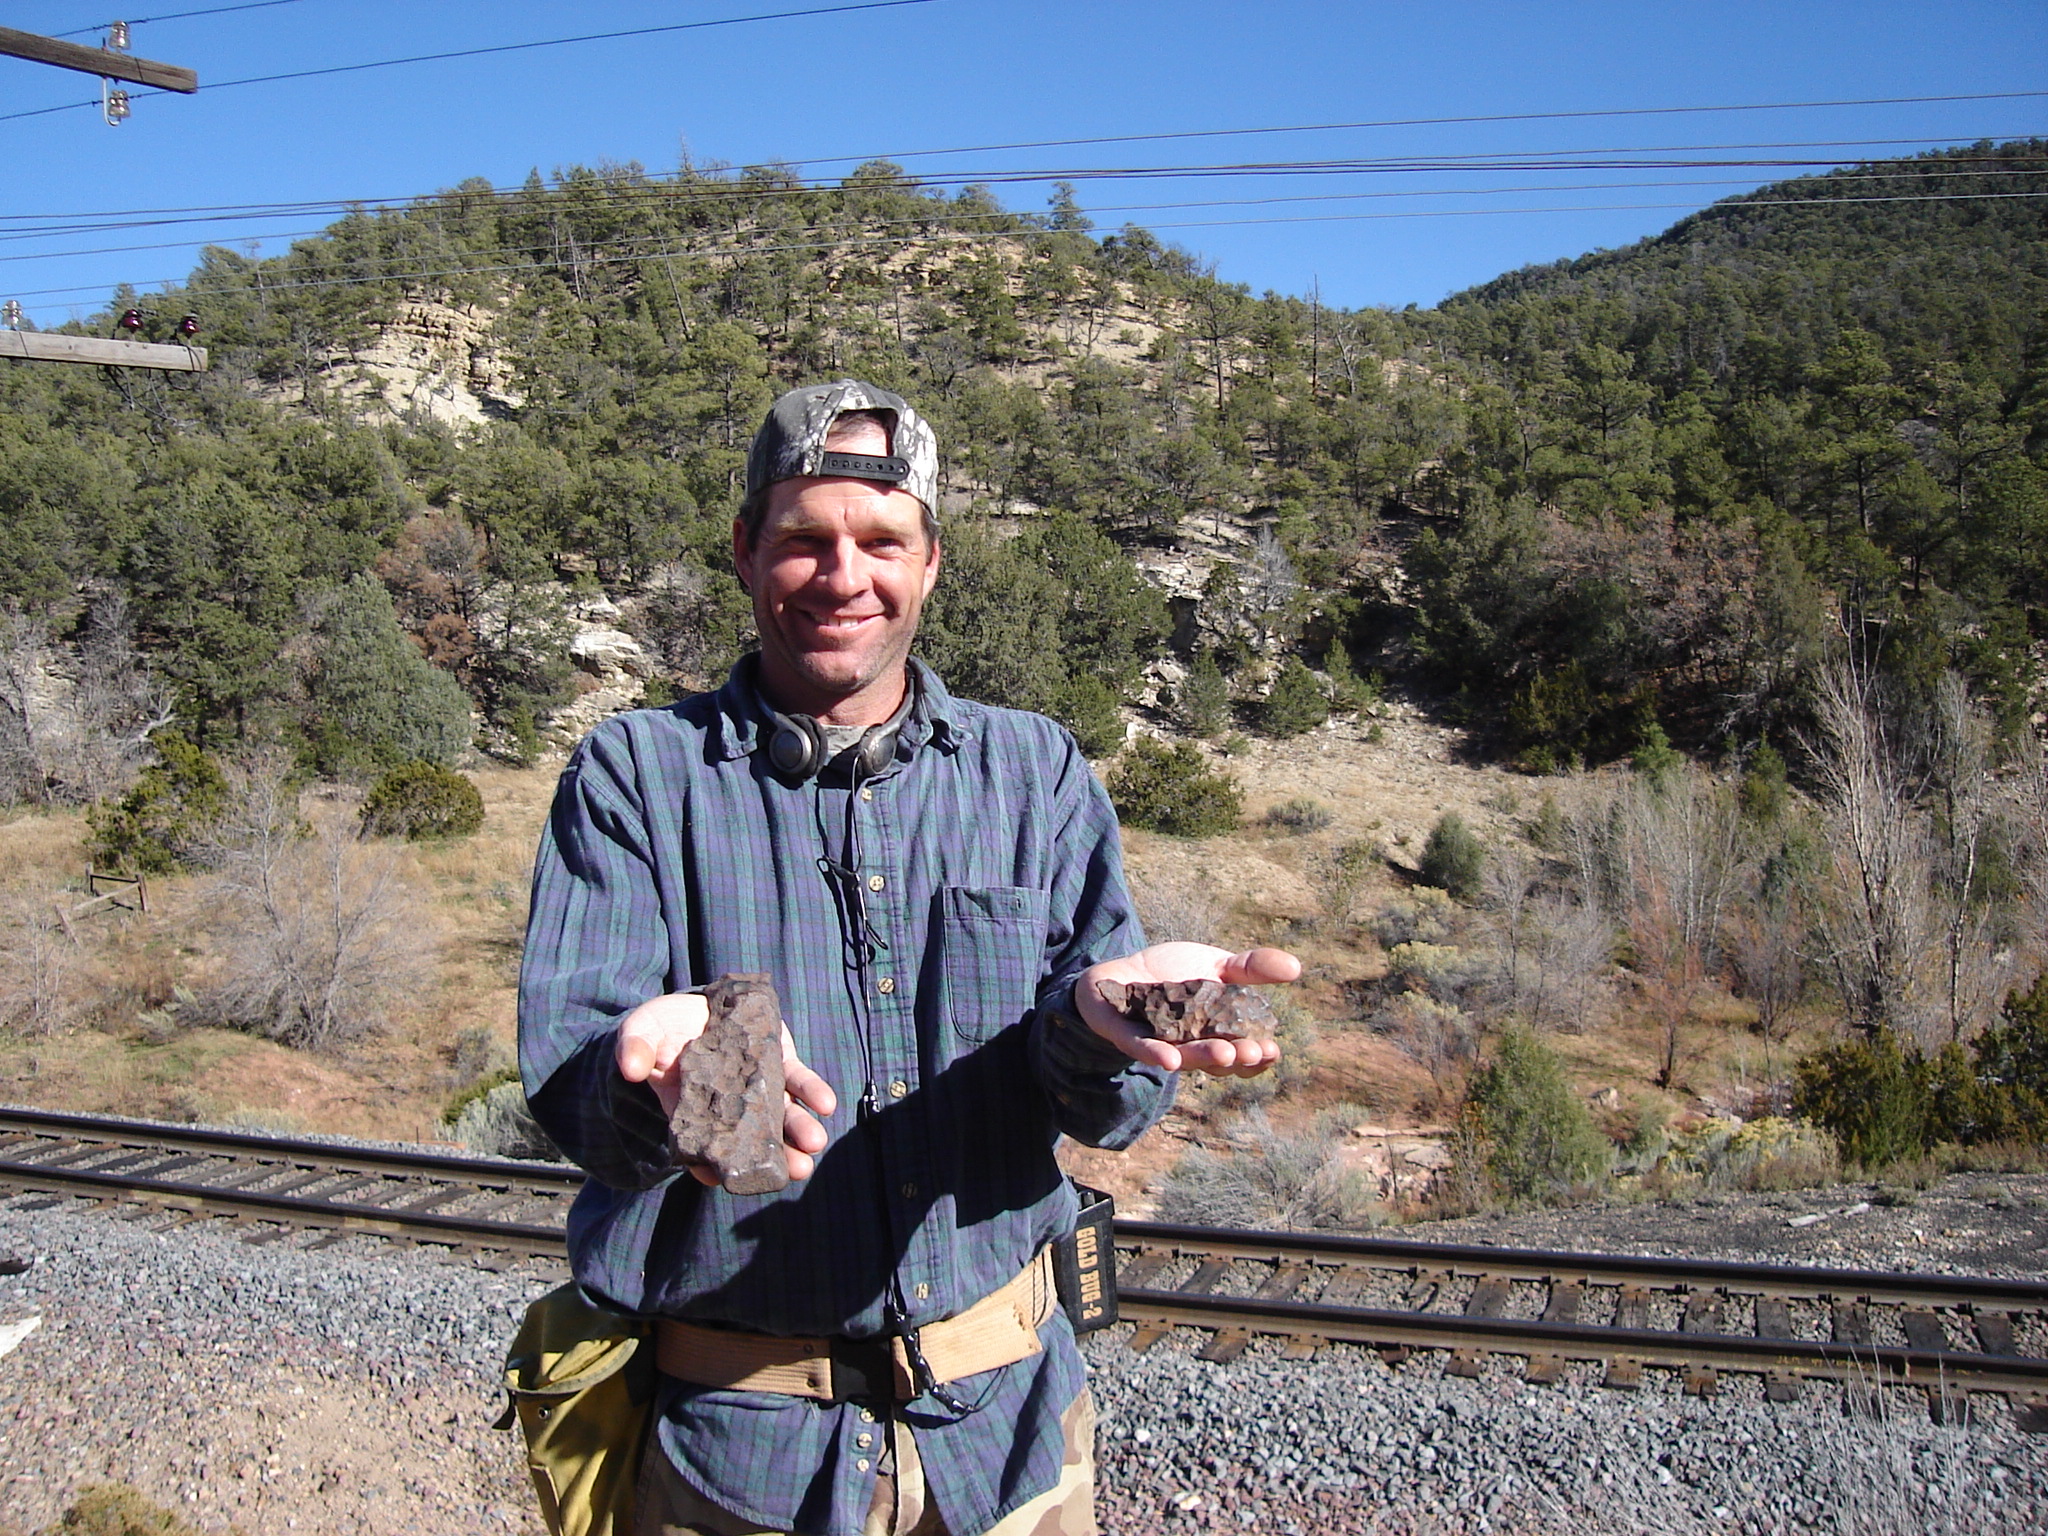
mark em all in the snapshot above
pixel 1951 1336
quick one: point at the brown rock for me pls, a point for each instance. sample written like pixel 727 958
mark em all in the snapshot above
pixel 729 1115
pixel 1180 1011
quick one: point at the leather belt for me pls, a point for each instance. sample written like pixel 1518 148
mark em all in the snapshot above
pixel 1000 1329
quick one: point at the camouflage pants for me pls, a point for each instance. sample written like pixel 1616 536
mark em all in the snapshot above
pixel 668 1506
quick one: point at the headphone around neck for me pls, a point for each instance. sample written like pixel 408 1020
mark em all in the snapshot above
pixel 799 749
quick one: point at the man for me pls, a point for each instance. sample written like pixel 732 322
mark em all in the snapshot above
pixel 935 888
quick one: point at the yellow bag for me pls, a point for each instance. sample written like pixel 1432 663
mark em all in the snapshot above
pixel 582 1386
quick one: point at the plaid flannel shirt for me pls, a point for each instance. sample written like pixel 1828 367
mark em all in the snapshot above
pixel 991 876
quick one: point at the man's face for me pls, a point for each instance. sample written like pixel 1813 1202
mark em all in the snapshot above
pixel 839 572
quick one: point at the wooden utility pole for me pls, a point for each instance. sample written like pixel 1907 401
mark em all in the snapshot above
pixel 104 62
pixel 48 346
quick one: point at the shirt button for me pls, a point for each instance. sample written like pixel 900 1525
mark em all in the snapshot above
pixel 886 985
pixel 864 1441
pixel 910 1191
pixel 867 1416
pixel 876 882
pixel 866 793
pixel 924 1292
pixel 861 1465
pixel 898 1088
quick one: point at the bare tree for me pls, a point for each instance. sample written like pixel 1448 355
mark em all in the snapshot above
pixel 319 935
pixel 1269 585
pixel 75 720
pixel 1178 905
pixel 1875 920
pixel 25 655
pixel 36 962
pixel 1976 970
pixel 1680 852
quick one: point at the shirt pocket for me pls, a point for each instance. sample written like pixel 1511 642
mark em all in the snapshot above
pixel 991 956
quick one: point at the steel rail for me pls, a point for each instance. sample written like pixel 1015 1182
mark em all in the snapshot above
pixel 1581 1341
pixel 1736 1278
pixel 544 1178
pixel 470 1231
pixel 1936 1369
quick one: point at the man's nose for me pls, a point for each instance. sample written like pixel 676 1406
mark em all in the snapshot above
pixel 842 568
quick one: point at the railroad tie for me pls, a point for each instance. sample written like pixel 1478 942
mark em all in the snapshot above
pixel 1141 1270
pixel 1204 1279
pixel 1924 1331
pixel 1850 1322
pixel 1226 1346
pixel 1774 1321
pixel 1489 1298
pixel 1703 1314
pixel 1545 1368
pixel 1631 1310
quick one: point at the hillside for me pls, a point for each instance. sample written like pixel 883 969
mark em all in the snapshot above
pixel 460 483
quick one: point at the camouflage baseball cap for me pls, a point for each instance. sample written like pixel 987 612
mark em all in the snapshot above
pixel 791 441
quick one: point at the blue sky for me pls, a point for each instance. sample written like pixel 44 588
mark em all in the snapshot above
pixel 947 74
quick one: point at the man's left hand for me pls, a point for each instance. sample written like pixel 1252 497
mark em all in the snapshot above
pixel 1185 962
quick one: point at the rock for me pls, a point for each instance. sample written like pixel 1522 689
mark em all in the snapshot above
pixel 609 653
pixel 1180 1011
pixel 729 1115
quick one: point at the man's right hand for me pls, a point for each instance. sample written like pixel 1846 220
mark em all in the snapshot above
pixel 652 1039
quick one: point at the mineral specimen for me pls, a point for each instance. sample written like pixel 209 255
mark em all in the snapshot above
pixel 729 1115
pixel 1180 1011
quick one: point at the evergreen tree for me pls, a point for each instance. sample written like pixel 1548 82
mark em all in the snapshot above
pixel 374 701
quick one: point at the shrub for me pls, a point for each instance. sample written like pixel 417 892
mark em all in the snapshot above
pixel 1087 706
pixel 1868 1095
pixel 419 800
pixel 1299 815
pixel 1337 873
pixel 318 936
pixel 1296 702
pixel 160 824
pixel 1205 696
pixel 1452 858
pixel 1425 913
pixel 1349 693
pixel 1170 789
pixel 1267 1179
pixel 1538 1142
pixel 498 1123
pixel 1445 971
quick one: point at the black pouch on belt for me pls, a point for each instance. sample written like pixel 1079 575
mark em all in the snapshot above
pixel 1084 1263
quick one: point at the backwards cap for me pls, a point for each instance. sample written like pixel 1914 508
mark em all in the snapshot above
pixel 791 441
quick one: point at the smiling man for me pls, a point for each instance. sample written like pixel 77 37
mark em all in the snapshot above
pixel 936 888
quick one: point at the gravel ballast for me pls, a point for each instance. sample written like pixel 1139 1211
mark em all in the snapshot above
pixel 352 1390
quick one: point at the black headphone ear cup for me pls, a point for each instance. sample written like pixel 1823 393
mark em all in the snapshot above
pixel 877 749
pixel 798 746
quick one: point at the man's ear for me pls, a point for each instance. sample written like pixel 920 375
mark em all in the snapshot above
pixel 931 567
pixel 742 551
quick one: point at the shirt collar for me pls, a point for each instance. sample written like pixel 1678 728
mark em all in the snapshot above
pixel 938 718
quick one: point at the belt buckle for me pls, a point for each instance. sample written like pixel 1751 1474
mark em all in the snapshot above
pixel 863 1370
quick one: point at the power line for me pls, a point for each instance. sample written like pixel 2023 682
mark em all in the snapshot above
pixel 1532 162
pixel 1094 210
pixel 471 53
pixel 1428 122
pixel 143 21
pixel 970 236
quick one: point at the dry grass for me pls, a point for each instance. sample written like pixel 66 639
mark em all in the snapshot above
pixel 112 1059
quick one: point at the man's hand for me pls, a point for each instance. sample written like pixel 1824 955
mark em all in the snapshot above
pixel 1184 962
pixel 652 1039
